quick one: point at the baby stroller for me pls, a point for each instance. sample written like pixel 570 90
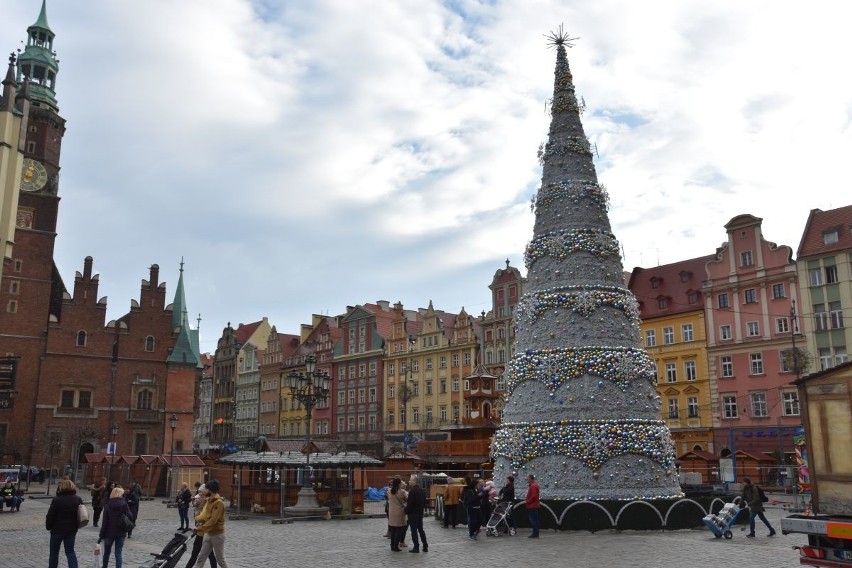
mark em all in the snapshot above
pixel 499 522
pixel 171 553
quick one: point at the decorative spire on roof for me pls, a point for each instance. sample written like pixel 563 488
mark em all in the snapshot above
pixel 38 62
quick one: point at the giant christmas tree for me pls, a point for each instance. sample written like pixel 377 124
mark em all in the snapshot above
pixel 583 415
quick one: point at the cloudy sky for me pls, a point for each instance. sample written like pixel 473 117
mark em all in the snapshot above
pixel 303 156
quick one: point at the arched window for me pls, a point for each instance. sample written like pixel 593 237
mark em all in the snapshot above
pixel 149 343
pixel 144 399
pixel 81 339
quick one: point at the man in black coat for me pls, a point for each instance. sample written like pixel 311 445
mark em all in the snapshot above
pixel 414 508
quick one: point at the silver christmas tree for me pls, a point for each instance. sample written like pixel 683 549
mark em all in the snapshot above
pixel 583 414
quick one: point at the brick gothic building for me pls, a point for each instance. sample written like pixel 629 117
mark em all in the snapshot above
pixel 78 377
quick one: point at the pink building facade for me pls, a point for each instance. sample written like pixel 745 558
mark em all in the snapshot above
pixel 749 294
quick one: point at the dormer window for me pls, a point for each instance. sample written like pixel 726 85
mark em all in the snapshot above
pixel 663 302
pixel 830 237
pixel 655 282
pixel 685 276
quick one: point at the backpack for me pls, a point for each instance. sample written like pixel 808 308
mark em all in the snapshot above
pixel 762 495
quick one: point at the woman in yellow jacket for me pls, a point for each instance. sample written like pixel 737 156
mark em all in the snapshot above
pixel 212 527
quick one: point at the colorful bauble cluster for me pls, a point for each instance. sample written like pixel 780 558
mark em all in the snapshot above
pixel 583 300
pixel 593 442
pixel 574 192
pixel 565 102
pixel 568 145
pixel 556 367
pixel 562 77
pixel 559 244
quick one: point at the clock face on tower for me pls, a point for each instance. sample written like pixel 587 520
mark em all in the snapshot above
pixel 33 175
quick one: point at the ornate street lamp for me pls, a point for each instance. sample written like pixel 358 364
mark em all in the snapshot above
pixel 310 389
pixel 173 423
pixel 406 393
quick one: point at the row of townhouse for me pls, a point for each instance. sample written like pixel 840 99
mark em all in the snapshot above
pixel 394 375
pixel 723 330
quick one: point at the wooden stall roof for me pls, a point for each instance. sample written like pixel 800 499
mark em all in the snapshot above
pixel 189 460
pixel 698 455
pixel 95 458
pixel 297 458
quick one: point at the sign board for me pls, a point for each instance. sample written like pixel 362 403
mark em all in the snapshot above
pixel 726 470
pixel 111 448
pixel 8 373
pixel 9 475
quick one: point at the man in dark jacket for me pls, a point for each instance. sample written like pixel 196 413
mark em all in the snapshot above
pixel 99 497
pixel 414 508
pixel 508 494
pixel 62 522
pixel 751 497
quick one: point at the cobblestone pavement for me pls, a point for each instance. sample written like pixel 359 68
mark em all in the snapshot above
pixel 255 541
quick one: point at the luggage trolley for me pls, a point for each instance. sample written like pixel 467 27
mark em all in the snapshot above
pixel 720 524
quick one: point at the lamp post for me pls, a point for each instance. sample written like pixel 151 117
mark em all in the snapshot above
pixel 406 393
pixel 173 423
pixel 113 447
pixel 310 389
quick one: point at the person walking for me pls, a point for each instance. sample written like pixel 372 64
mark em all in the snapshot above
pixel 472 505
pixel 396 513
pixel 533 503
pixel 213 527
pixel 415 508
pixel 199 505
pixel 132 500
pixel 508 494
pixel 184 497
pixel 751 496
pixel 99 497
pixel 112 531
pixel 452 496
pixel 62 522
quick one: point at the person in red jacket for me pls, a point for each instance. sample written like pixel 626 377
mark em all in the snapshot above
pixel 533 502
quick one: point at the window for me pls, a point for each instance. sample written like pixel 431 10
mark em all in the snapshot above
pixel 673 411
pixel 671 373
pixel 372 394
pixel 455 359
pixel 745 258
pixel 830 237
pixel 391 417
pixel 782 325
pixel 372 422
pixel 729 405
pixel 840 355
pixel 815 276
pixel 835 314
pixel 778 291
pixel 820 317
pixel 351 396
pixel 81 339
pixel 650 338
pixel 501 355
pixel 690 370
pixel 442 362
pixel 668 335
pixel 725 332
pixel 75 398
pixel 144 399
pixel 428 387
pixel 756 360
pixel 429 416
pixel 750 296
pixel 758 405
pixel 455 384
pixel 149 343
pixel 456 412
pixel 14 286
pixel 692 297
pixel 825 358
pixel 752 329
pixel 467 358
pixel 443 386
pixel 140 443
pixel 390 369
pixel 415 366
pixel 686 332
pixel 341 397
pixel 723 301
pixel 350 423
pixel 791 403
pixel 361 396
pixel 727 364
pixel 830 274
pixel 692 406
pixel 663 303
pixel 655 282
pixel 443 413
pixel 429 364
pixel 466 385
pixel 361 424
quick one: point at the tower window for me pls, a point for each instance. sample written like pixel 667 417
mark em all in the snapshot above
pixel 81 338
pixel 149 343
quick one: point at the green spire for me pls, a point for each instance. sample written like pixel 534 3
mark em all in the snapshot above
pixel 179 305
pixel 38 62
pixel 186 346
